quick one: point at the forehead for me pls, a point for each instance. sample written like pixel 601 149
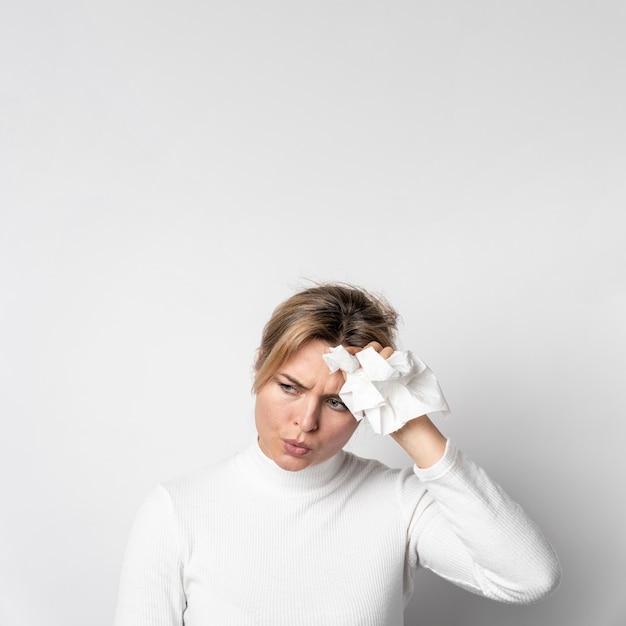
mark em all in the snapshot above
pixel 308 366
pixel 309 355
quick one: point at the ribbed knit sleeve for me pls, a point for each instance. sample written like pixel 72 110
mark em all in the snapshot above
pixel 151 590
pixel 474 535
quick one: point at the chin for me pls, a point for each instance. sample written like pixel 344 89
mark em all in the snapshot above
pixel 290 463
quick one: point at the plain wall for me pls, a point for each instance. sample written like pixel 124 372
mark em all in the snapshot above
pixel 172 170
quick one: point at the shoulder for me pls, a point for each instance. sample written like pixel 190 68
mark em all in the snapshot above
pixel 359 464
pixel 200 481
pixel 391 488
pixel 373 470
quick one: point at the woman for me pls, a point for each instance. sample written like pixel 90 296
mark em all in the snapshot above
pixel 296 531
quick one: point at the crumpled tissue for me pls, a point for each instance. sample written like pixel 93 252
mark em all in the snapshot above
pixel 389 392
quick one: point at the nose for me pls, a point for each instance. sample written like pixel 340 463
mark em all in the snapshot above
pixel 308 419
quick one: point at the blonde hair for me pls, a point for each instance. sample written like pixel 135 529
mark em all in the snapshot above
pixel 337 313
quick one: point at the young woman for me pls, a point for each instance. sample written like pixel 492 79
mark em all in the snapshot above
pixel 295 530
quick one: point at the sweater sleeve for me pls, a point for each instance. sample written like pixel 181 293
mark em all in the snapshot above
pixel 151 589
pixel 470 532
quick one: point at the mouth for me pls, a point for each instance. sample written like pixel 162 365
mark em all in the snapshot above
pixel 295 448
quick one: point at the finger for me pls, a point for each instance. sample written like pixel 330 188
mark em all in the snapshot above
pixel 386 352
pixel 374 344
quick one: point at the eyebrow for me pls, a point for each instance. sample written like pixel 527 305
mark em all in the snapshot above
pixel 295 381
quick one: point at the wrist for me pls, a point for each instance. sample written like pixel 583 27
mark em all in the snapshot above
pixel 422 441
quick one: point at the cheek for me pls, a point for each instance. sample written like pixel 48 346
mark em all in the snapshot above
pixel 269 410
pixel 261 412
pixel 343 432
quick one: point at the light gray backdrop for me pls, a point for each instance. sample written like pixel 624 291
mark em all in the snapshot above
pixel 171 170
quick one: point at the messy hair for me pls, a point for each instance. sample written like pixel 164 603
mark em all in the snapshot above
pixel 336 313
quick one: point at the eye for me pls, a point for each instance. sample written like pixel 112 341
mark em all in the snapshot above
pixel 290 389
pixel 337 404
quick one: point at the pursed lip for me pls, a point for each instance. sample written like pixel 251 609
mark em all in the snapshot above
pixel 296 448
pixel 297 444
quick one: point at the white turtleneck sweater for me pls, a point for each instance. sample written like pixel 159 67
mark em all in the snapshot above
pixel 246 542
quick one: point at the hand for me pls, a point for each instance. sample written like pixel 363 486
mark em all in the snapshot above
pixel 419 437
pixel 385 352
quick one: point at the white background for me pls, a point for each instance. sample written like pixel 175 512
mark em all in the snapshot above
pixel 170 171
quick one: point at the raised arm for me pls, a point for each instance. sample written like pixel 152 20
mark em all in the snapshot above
pixel 472 533
pixel 467 529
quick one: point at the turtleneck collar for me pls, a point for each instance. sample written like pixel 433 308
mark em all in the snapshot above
pixel 257 466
